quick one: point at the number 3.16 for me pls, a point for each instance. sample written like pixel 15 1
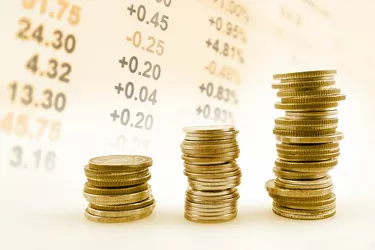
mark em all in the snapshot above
pixel 74 13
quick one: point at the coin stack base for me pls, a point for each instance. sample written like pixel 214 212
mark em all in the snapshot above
pixel 117 189
pixel 210 164
pixel 308 145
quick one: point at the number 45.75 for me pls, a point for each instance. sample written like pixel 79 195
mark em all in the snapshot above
pixel 74 13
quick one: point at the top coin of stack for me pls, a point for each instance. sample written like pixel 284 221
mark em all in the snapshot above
pixel 117 188
pixel 210 164
pixel 308 146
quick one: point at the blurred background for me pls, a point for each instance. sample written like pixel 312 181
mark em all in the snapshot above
pixel 86 78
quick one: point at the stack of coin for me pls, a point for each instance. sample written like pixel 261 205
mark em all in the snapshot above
pixel 308 145
pixel 117 188
pixel 210 155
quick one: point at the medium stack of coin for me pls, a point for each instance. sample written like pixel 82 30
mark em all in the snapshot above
pixel 117 188
pixel 210 155
pixel 308 145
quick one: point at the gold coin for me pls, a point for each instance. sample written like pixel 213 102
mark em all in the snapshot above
pixel 305 74
pixel 289 122
pixel 338 136
pixel 213 143
pixel 120 162
pixel 312 207
pixel 298 200
pixel 273 189
pixel 305 93
pixel 304 184
pixel 299 175
pixel 204 211
pixel 282 209
pixel 307 147
pixel 213 219
pixel 234 203
pixel 298 133
pixel 211 169
pixel 90 189
pixel 285 202
pixel 212 202
pixel 208 161
pixel 191 195
pixel 315 165
pixel 222 155
pixel 107 183
pixel 213 147
pixel 308 151
pixel 205 187
pixel 308 158
pixel 304 85
pixel 195 176
pixel 99 219
pixel 295 115
pixel 117 199
pixel 125 213
pixel 210 135
pixel 325 106
pixel 309 79
pixel 211 194
pixel 199 151
pixel 230 210
pixel 314 99
pixel 125 207
pixel 209 129
pixel 114 175
pixel 311 129
pixel 211 138
pixel 322 216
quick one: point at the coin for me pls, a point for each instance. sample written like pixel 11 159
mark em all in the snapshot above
pixel 125 213
pixel 208 161
pixel 303 85
pixel 118 199
pixel 124 207
pixel 110 183
pixel 232 142
pixel 272 188
pixel 314 99
pixel 298 133
pixel 304 184
pixel 214 219
pixel 195 176
pixel 315 92
pixel 100 219
pixel 305 74
pixel 209 129
pixel 326 106
pixel 338 136
pixel 308 158
pixel 119 162
pixel 281 173
pixel 219 155
pixel 114 175
pixel 290 122
pixel 311 115
pixel 90 189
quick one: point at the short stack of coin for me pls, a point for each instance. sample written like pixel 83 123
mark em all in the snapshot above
pixel 210 155
pixel 308 145
pixel 117 188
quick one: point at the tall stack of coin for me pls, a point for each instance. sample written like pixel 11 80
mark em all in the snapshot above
pixel 308 145
pixel 210 155
pixel 117 188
